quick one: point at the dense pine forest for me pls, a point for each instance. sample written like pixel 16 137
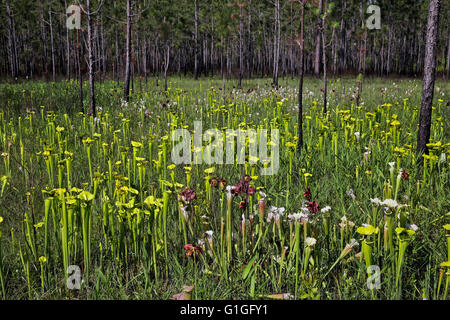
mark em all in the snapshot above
pixel 243 39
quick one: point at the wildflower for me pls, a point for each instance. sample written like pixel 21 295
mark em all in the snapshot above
pixel 192 250
pixel 243 203
pixel 404 175
pixel 186 196
pixel 313 206
pixel 350 246
pixel 357 136
pixel 390 203
pixel 412 227
pixel 376 201
pixel 214 182
pixel 310 242
pixel 325 209
pixel 351 194
pixel 222 183
pixel 391 167
pixel 275 214
pixel 230 191
pixel 307 194
pixel 209 235
pixel 185 212
pixel 298 217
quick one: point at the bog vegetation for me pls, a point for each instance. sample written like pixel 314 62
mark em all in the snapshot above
pixel 102 193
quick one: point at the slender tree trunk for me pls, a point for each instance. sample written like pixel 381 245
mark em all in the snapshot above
pixel 117 53
pixel 12 41
pixel 196 39
pixel 52 43
pixel 67 47
pixel 276 43
pixel 300 86
pixel 80 75
pixel 166 67
pixel 429 75
pixel 90 60
pixel 241 44
pixel 318 41
pixel 324 58
pixel 448 59
pixel 126 89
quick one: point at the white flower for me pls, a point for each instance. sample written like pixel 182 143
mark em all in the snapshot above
pixel 296 217
pixel 412 227
pixel 376 201
pixel 275 214
pixel 351 194
pixel 357 135
pixel 390 203
pixel 209 235
pixel 184 212
pixel 325 209
pixel 229 189
pixel 443 158
pixel 310 242
pixel 353 243
pixel 391 166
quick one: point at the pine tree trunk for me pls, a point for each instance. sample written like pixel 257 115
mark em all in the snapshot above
pixel 324 59
pixel 429 75
pixel 166 67
pixel 448 59
pixel 67 47
pixel 90 60
pixel 276 43
pixel 241 44
pixel 300 86
pixel 52 43
pixel 318 41
pixel 196 39
pixel 126 89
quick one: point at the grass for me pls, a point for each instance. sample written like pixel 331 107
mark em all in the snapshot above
pixel 103 194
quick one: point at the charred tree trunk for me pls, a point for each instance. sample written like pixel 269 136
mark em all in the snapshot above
pixel 448 59
pixel 429 75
